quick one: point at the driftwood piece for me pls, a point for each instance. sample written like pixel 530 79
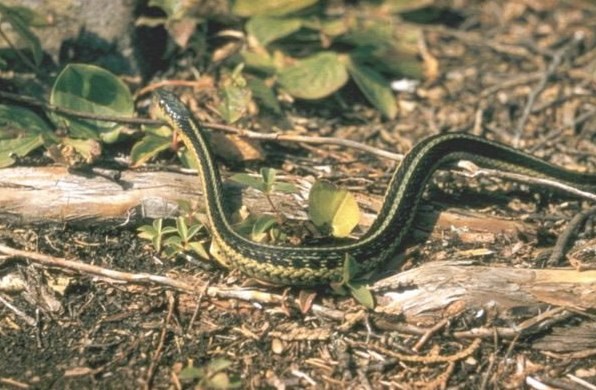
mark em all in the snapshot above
pixel 53 194
pixel 437 290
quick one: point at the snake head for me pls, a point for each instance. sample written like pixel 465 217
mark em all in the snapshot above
pixel 166 105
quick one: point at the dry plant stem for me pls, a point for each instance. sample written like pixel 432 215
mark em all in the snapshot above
pixel 78 114
pixel 13 383
pixel 28 319
pixel 479 172
pixel 532 325
pixel 558 252
pixel 144 278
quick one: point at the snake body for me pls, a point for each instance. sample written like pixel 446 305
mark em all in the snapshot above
pixel 316 265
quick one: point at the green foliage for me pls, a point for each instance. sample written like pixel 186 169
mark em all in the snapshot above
pixel 211 376
pixel 352 284
pixel 270 8
pixel 182 241
pixel 258 227
pixel 21 132
pixel 296 46
pixel 333 210
pixel 175 240
pixel 90 89
pixel 235 96
pixel 267 183
pixel 314 77
pixel 21 19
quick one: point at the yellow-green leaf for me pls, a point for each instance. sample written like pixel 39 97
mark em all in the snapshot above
pixel 148 147
pixel 333 209
pixel 268 29
pixel 362 294
pixel 21 132
pixel 375 87
pixel 316 77
pixel 269 7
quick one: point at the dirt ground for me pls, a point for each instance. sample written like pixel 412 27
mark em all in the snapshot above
pixel 520 72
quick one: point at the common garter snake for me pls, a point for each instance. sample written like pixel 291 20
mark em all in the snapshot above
pixel 315 265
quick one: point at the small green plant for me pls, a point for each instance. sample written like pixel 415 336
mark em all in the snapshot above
pixel 183 240
pixel 175 240
pixel 155 233
pixel 267 183
pixel 353 283
pixel 211 376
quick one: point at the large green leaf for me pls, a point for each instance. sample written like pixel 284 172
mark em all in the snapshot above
pixel 269 7
pixel 90 89
pixel 333 209
pixel 21 131
pixel 148 147
pixel 315 77
pixel 267 29
pixel 374 87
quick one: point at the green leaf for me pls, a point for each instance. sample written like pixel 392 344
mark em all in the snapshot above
pixel 174 241
pixel 190 373
pixel 349 270
pixel 21 132
pixel 260 61
pixel 14 16
pixel 148 147
pixel 374 87
pixel 268 29
pixel 90 89
pixel 193 230
pixel 19 146
pixel 315 77
pixel 182 228
pixel 270 7
pixel 262 224
pixel 362 294
pixel 287 188
pixel 199 249
pixel 268 175
pixel 332 208
pixel 235 101
pixel 169 230
pixel 219 364
pixel 250 181
pixel 264 94
pixel 188 159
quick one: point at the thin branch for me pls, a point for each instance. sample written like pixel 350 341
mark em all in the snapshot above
pixel 164 281
pixel 215 126
pixel 558 252
pixel 475 171
pixel 78 114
